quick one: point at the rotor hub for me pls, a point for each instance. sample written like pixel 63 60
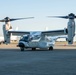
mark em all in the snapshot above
pixel 71 16
pixel 7 19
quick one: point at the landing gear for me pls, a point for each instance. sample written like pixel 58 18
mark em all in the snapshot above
pixel 22 48
pixel 51 48
pixel 33 49
pixel 21 45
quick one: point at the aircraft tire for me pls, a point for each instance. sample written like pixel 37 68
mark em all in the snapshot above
pixel 33 49
pixel 51 48
pixel 22 48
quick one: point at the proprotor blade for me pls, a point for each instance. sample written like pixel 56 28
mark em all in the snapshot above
pixel 7 19
pixel 13 19
pixel 65 17
pixel 70 16
pixel 2 20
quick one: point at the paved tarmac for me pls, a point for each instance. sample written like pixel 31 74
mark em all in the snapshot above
pixel 40 62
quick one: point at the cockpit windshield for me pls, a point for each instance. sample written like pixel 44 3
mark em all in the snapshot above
pixel 25 38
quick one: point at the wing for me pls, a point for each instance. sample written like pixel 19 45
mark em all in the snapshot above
pixel 19 33
pixel 58 37
pixel 53 33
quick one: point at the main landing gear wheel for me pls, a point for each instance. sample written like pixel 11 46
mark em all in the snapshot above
pixel 22 48
pixel 33 49
pixel 51 48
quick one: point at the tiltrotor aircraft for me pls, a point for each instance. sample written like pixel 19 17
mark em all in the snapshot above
pixel 39 39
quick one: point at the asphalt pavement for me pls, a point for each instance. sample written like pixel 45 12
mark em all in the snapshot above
pixel 40 62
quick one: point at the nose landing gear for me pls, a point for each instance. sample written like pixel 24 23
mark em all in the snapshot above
pixel 51 48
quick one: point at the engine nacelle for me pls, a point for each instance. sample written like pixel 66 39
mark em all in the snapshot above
pixel 6 35
pixel 71 31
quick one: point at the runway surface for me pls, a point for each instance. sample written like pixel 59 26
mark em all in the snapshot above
pixel 40 62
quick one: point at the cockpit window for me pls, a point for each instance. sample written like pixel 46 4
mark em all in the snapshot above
pixel 24 38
